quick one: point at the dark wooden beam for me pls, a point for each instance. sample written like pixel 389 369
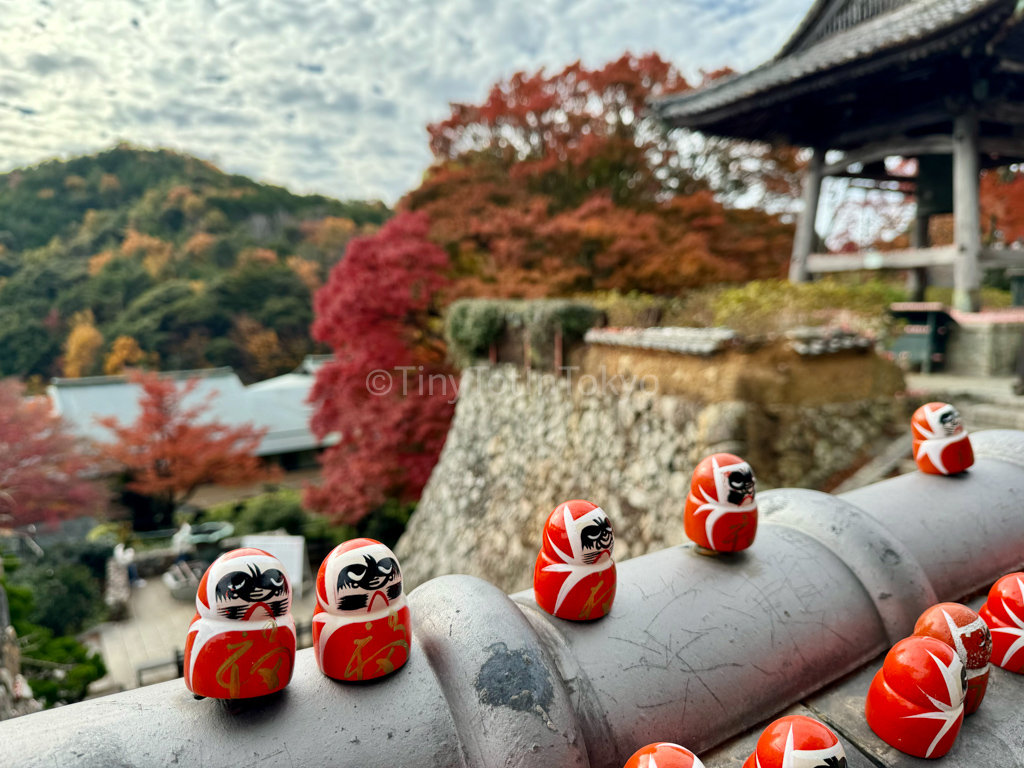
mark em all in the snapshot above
pixel 903 147
pixel 892 129
pixel 1005 112
pixel 1008 146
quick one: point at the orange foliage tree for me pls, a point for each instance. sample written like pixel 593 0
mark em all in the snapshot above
pixel 43 475
pixel 124 351
pixel 1002 205
pixel 81 346
pixel 374 312
pixel 564 183
pixel 172 448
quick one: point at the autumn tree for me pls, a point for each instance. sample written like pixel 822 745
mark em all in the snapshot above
pixel 565 183
pixel 43 474
pixel 1002 205
pixel 574 131
pixel 262 349
pixel 156 254
pixel 173 447
pixel 376 312
pixel 81 346
pixel 124 351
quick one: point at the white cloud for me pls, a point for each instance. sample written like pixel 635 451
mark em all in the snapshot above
pixel 330 96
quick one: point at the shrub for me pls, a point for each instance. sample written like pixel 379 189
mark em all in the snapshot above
pixel 991 298
pixel 473 325
pixel 65 667
pixel 67 597
pixel 273 511
pixel 283 509
pixel 766 306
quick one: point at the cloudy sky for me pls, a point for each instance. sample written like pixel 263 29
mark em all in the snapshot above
pixel 329 96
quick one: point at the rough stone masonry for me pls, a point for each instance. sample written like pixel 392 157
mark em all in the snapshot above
pixel 518 448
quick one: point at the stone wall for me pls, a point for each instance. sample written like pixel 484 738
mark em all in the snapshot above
pixel 983 349
pixel 518 448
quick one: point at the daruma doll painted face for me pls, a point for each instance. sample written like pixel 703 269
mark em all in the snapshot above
pixel 941 444
pixel 574 577
pixel 241 642
pixel 720 512
pixel 966 633
pixel 361 627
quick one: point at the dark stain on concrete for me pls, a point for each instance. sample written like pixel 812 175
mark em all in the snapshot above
pixel 514 679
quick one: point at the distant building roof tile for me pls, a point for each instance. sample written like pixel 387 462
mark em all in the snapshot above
pixel 914 22
pixel 278 405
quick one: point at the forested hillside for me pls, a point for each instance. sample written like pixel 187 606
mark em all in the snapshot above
pixel 152 257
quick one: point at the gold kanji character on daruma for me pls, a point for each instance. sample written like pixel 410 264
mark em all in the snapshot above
pixel 241 642
pixel 361 627
pixel 574 577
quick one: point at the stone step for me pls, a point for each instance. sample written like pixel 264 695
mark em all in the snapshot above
pixel 993 416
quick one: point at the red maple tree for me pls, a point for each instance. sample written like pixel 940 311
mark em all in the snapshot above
pixel 564 183
pixel 376 312
pixel 171 449
pixel 43 474
pixel 1002 205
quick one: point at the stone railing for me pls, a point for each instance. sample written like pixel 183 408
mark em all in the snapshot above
pixel 695 649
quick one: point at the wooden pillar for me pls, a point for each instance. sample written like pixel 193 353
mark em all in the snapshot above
pixel 806 237
pixel 967 213
pixel 917 277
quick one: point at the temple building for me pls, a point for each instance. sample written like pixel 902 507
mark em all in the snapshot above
pixel 860 81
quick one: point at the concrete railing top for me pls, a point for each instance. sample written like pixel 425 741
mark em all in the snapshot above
pixel 695 649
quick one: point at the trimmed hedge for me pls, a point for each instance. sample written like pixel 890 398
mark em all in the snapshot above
pixel 473 325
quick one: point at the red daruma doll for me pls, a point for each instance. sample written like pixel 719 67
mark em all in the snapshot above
pixel 241 643
pixel 965 632
pixel 361 626
pixel 941 444
pixel 664 755
pixel 797 742
pixel 575 575
pixel 1003 612
pixel 720 513
pixel 916 700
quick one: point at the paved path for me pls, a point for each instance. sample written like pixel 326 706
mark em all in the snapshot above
pixel 986 402
pixel 985 387
pixel 156 626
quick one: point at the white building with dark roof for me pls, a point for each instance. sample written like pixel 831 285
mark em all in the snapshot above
pixel 279 405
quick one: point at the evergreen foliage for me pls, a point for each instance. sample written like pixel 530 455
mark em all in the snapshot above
pixel 167 251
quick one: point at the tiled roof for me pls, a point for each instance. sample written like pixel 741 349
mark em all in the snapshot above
pixel 687 341
pixel 824 341
pixel 912 23
pixel 278 405
pixel 708 341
